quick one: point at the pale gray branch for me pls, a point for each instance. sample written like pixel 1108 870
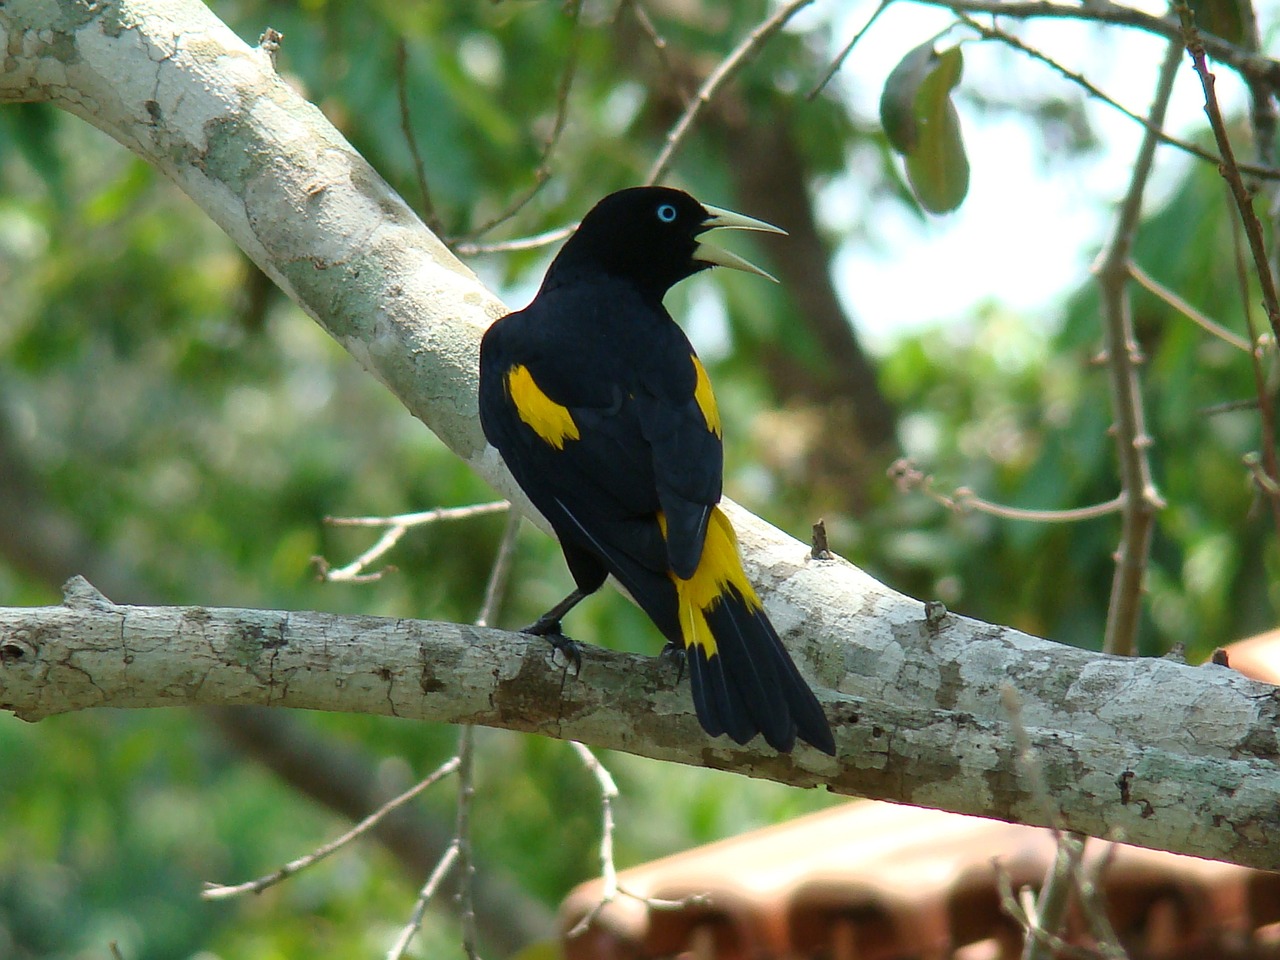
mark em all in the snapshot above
pixel 1155 752
pixel 1166 755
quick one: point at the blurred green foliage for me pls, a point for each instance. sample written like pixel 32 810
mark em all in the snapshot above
pixel 196 429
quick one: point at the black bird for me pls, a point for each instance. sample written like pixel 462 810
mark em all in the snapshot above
pixel 605 416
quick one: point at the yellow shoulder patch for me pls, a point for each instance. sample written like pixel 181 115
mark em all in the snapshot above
pixel 706 400
pixel 549 420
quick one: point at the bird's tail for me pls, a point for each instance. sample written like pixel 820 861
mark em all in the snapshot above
pixel 744 681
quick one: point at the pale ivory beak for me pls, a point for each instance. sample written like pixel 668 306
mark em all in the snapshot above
pixel 721 219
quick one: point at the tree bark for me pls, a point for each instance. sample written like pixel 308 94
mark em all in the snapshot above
pixel 1162 754
pixel 1159 753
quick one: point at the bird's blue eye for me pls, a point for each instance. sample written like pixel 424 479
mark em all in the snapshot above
pixel 666 213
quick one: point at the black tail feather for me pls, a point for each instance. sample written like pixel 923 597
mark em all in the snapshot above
pixel 750 684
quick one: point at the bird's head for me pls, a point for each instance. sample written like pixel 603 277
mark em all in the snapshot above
pixel 653 236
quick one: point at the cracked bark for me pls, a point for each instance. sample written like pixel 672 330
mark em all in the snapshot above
pixel 915 703
pixel 1166 755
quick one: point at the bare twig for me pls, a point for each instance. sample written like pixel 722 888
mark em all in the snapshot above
pixel 1138 490
pixel 534 242
pixel 428 891
pixel 422 516
pixel 1027 758
pixel 1049 912
pixel 1023 915
pixel 397 526
pixel 429 214
pixel 1153 286
pixel 660 47
pixel 736 59
pixel 995 33
pixel 458 852
pixel 462 838
pixel 215 891
pixel 721 75
pixel 1230 169
pixel 1091 896
pixel 1262 398
pixel 1253 67
pixel 542 171
pixel 838 62
pixel 610 890
pixel 1253 232
pixel 496 588
pixel 907 477
pixel 608 870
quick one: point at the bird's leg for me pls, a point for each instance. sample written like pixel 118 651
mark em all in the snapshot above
pixel 675 653
pixel 548 626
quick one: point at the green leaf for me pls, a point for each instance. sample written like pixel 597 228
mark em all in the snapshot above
pixel 898 100
pixel 921 123
pixel 1224 18
pixel 938 167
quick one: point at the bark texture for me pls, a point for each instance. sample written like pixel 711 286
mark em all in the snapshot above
pixel 1159 753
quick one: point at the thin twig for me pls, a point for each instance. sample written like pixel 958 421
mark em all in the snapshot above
pixel 1123 357
pixel 660 47
pixel 1262 399
pixel 739 56
pixel 496 588
pixel 1253 232
pixel 535 242
pixel 608 870
pixel 838 62
pixel 907 477
pixel 215 891
pixel 721 75
pixel 610 889
pixel 459 851
pixel 493 594
pixel 429 215
pixel 422 516
pixel 1253 67
pixel 1153 286
pixel 1228 406
pixel 1026 757
pixel 995 33
pixel 397 526
pixel 1050 911
pixel 542 170
pixel 410 929
pixel 462 839
pixel 1230 169
pixel 1023 916
pixel 1091 896
pixel 353 572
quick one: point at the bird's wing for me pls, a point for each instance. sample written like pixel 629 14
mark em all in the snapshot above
pixel 679 419
pixel 608 437
pixel 570 434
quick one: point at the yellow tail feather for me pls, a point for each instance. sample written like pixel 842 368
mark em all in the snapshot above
pixel 719 571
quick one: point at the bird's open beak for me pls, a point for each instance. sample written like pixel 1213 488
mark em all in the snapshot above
pixel 728 220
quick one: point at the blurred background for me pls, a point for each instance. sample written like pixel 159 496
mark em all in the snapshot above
pixel 175 430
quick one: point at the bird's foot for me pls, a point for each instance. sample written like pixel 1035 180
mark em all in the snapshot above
pixel 549 629
pixel 674 653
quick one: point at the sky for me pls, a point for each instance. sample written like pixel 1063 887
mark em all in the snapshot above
pixel 1030 227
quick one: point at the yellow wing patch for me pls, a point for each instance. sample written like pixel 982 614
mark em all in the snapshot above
pixel 705 398
pixel 719 571
pixel 549 420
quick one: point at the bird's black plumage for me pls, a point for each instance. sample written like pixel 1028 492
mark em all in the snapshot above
pixel 604 415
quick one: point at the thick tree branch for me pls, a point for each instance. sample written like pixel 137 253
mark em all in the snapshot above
pixel 1170 756
pixel 1164 755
